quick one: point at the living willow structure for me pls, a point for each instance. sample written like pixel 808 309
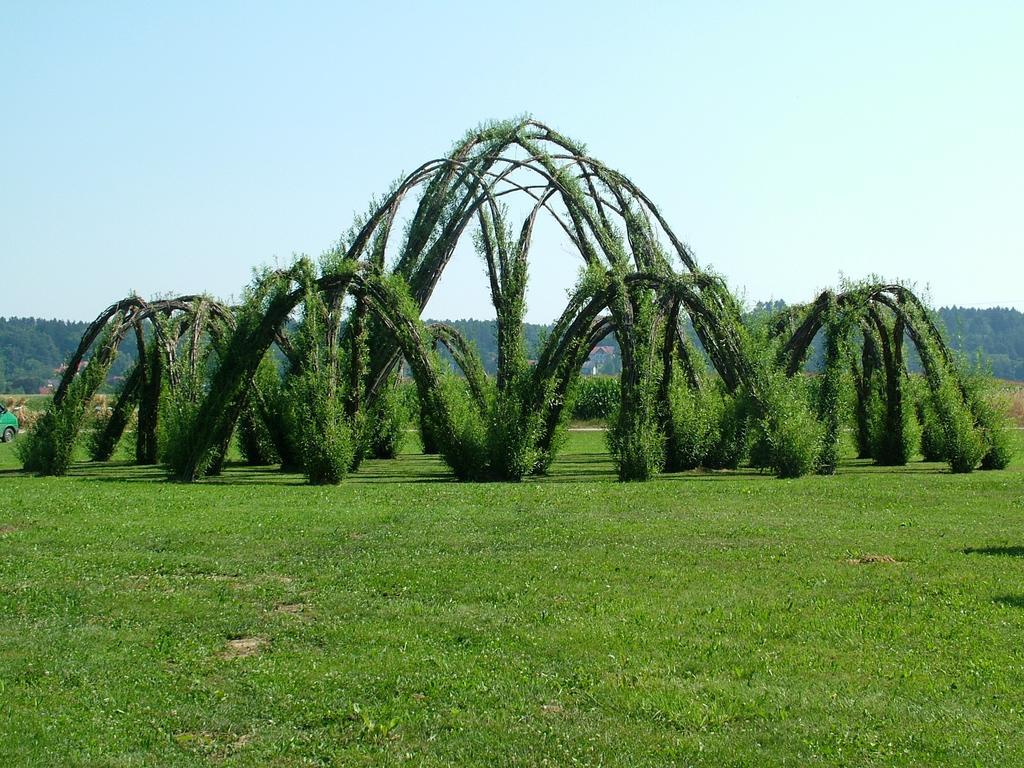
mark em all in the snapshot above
pixel 343 326
pixel 171 337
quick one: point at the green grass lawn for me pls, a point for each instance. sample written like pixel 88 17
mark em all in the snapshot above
pixel 871 618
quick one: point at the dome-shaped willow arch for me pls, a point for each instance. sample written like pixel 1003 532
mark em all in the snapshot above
pixel 876 317
pixel 613 226
pixel 360 316
pixel 160 328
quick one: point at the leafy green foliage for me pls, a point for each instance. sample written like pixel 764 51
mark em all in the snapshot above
pixel 153 378
pixel 933 434
pixel 100 445
pixel 110 427
pixel 997 332
pixel 895 431
pixel 259 419
pixel 933 439
pixel 964 448
pixel 464 441
pixel 787 432
pixel 997 437
pixel 48 448
pixel 728 444
pixel 320 425
pixel 636 438
pixel 637 446
pixel 595 397
pixel 361 314
pixel 693 426
pixel 386 421
pixel 264 310
pixel 179 417
pixel 511 435
pixel 429 438
pixel 323 434
pixel 990 410
pixel 709 428
pixel 179 424
pixel 833 386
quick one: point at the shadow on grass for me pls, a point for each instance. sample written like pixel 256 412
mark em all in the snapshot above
pixel 921 468
pixel 715 475
pixel 1010 601
pixel 411 470
pixel 997 551
pixel 418 468
pixel 122 472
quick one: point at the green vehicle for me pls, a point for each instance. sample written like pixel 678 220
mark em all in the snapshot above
pixel 8 425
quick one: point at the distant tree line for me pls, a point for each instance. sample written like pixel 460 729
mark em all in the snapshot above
pixel 32 349
pixel 996 333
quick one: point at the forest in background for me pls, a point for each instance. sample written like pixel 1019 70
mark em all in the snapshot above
pixel 32 350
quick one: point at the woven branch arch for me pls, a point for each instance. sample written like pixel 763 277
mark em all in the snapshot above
pixel 639 280
pixel 879 316
pixel 167 322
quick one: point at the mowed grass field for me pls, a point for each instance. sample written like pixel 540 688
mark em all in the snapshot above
pixel 871 618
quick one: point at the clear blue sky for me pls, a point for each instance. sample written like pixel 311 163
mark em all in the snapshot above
pixel 171 147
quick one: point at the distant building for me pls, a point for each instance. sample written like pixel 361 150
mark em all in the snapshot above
pixel 603 361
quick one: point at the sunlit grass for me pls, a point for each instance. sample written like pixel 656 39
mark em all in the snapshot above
pixel 871 618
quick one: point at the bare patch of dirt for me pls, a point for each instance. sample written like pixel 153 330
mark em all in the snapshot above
pixel 5 529
pixel 292 609
pixel 243 647
pixel 174 582
pixel 242 741
pixel 211 744
pixel 280 578
pixel 871 559
pixel 552 708
pixel 260 580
